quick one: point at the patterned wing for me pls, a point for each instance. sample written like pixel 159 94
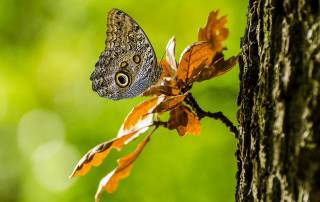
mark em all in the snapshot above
pixel 125 33
pixel 128 66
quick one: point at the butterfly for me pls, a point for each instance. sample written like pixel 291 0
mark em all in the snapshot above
pixel 128 65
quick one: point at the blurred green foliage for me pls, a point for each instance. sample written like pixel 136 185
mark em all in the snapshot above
pixel 49 116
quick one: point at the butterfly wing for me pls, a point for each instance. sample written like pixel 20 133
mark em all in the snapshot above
pixel 128 66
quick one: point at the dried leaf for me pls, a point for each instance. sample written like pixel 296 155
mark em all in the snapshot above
pixel 200 56
pixel 169 65
pixel 139 112
pixel 219 67
pixel 192 58
pixel 162 90
pixel 110 182
pixel 97 154
pixel 170 56
pixel 166 70
pixel 184 121
pixel 169 103
pixel 214 32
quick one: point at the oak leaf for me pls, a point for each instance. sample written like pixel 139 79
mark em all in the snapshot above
pixel 215 31
pixel 139 112
pixel 170 56
pixel 193 57
pixel 110 182
pixel 169 103
pixel 166 84
pixel 184 121
pixel 162 90
pixel 169 64
pixel 97 154
pixel 204 59
pixel 216 69
pixel 166 71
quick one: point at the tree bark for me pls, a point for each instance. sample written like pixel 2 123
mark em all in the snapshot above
pixel 279 102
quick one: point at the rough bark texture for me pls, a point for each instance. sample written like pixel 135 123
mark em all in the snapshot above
pixel 279 102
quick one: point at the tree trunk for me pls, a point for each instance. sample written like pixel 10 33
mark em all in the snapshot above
pixel 279 102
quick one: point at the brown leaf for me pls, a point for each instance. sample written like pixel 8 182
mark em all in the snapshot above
pixel 184 121
pixel 97 154
pixel 162 90
pixel 169 65
pixel 216 69
pixel 139 112
pixel 166 70
pixel 200 56
pixel 137 122
pixel 110 182
pixel 169 103
pixel 170 56
pixel 214 32
pixel 192 58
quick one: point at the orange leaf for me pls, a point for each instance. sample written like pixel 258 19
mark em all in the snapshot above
pixel 169 65
pixel 110 182
pixel 162 90
pixel 97 154
pixel 170 56
pixel 192 58
pixel 139 112
pixel 184 121
pixel 217 68
pixel 169 103
pixel 166 72
pixel 214 32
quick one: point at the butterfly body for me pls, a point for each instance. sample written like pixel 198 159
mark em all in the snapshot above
pixel 128 65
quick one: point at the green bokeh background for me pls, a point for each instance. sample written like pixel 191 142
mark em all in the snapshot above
pixel 50 117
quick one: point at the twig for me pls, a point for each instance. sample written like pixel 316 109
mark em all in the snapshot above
pixel 160 123
pixel 216 115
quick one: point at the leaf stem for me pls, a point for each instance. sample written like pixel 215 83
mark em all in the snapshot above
pixel 160 123
pixel 215 115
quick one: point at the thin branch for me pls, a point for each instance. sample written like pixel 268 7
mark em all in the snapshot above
pixel 160 123
pixel 219 115
pixel 216 115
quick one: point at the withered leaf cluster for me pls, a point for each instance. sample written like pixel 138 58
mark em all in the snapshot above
pixel 200 61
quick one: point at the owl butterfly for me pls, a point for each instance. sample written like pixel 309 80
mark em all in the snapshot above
pixel 128 65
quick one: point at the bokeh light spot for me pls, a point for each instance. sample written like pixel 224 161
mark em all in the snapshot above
pixel 38 127
pixel 52 163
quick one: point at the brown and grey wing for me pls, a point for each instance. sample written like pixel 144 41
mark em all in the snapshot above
pixel 124 34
